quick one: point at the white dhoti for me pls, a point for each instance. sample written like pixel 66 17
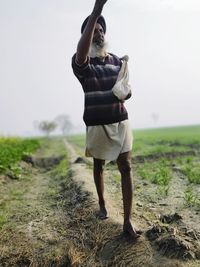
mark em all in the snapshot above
pixel 108 141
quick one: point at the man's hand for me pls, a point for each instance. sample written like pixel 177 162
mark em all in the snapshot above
pixel 98 7
pixel 86 38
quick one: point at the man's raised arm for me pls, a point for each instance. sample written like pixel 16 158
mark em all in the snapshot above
pixel 87 35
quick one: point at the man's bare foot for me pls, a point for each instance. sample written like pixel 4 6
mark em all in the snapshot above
pixel 131 231
pixel 102 214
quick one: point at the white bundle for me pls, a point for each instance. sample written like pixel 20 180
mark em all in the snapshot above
pixel 122 88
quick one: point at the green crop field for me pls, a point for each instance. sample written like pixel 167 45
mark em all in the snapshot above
pixel 168 149
pixel 152 141
pixel 166 139
pixel 158 153
pixel 166 172
pixel 13 149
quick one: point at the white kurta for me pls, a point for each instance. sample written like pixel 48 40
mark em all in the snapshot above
pixel 108 141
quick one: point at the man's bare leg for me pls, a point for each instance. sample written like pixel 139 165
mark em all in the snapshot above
pixel 124 165
pixel 99 182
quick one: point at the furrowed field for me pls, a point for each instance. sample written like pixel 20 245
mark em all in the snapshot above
pixel 12 150
pixel 163 160
pixel 48 202
pixel 157 153
pixel 166 174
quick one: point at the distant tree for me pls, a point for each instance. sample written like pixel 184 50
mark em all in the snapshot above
pixel 64 123
pixel 47 127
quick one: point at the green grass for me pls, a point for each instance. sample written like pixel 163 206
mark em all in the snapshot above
pixel 61 169
pixel 176 135
pixel 165 140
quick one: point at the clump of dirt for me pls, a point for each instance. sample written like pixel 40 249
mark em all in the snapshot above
pixel 170 218
pixel 45 162
pixel 28 159
pixel 80 160
pixel 157 230
pixel 174 246
pixel 173 243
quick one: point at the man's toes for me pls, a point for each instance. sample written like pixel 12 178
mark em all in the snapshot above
pixel 131 234
pixel 139 231
pixel 131 231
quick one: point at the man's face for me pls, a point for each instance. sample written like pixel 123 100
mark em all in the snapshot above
pixel 98 37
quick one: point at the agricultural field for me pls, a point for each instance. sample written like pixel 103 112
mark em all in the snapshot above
pixel 32 171
pixel 166 175
pixel 165 159
pixel 48 203
pixel 13 149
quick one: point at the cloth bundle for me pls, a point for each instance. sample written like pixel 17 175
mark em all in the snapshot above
pixel 122 88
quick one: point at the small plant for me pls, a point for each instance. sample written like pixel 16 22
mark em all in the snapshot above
pixel 189 160
pixel 192 171
pixel 15 172
pixel 189 197
pixel 163 190
pixel 162 176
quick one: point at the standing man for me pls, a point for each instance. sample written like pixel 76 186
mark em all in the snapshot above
pixel 108 135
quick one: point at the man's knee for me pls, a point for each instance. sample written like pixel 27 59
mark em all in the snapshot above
pixel 99 165
pixel 124 166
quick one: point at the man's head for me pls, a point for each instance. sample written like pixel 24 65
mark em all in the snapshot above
pixel 100 21
pixel 98 46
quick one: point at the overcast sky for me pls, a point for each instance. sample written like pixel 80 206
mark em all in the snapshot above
pixel 39 37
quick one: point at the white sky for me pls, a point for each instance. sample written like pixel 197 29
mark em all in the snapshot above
pixel 39 37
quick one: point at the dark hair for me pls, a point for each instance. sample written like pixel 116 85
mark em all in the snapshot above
pixel 100 20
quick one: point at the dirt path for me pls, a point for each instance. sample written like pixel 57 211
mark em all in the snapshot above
pixel 84 176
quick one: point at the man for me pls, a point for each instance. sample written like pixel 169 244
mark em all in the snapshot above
pixel 108 135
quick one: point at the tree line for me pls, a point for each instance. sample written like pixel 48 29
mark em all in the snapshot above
pixel 61 122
